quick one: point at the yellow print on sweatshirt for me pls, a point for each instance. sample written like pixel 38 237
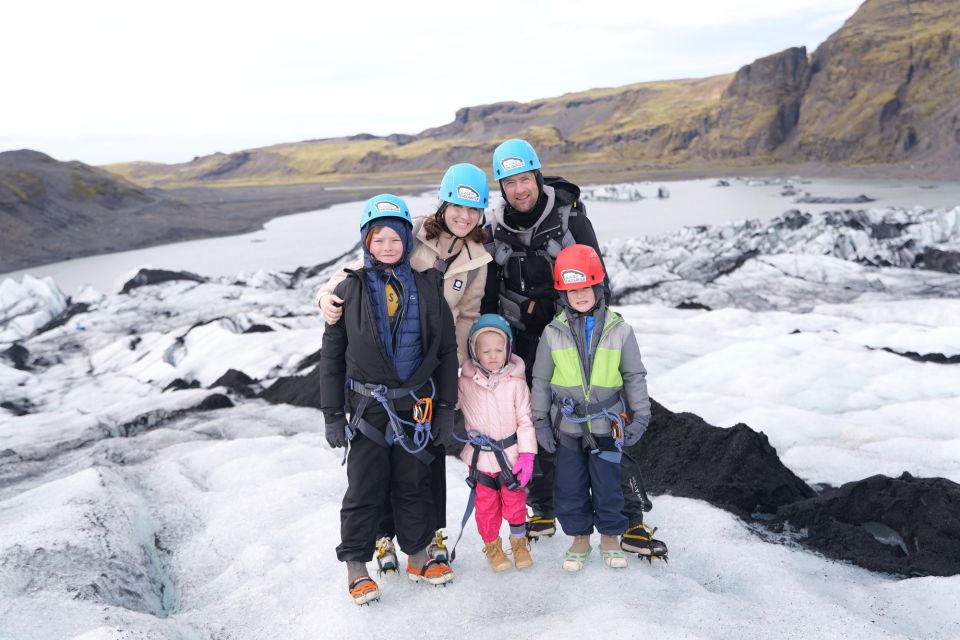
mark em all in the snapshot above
pixel 393 300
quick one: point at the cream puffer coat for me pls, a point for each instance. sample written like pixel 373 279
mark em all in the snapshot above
pixel 463 281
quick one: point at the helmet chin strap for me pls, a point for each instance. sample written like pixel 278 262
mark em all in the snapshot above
pixel 441 220
pixel 487 372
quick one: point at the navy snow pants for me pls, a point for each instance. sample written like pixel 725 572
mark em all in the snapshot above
pixel 587 493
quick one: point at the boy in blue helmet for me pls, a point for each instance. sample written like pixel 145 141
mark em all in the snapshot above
pixel 389 361
pixel 449 240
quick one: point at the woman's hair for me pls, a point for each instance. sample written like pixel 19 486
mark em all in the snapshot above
pixel 432 228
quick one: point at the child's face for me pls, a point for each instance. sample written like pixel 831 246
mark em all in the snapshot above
pixel 385 245
pixel 491 350
pixel 582 299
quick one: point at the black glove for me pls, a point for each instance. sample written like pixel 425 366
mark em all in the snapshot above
pixel 633 431
pixel 336 429
pixel 544 431
pixel 442 427
pixel 538 311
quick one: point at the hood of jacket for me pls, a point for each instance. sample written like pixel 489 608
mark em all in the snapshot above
pixel 513 369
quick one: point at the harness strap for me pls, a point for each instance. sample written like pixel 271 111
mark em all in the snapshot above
pixel 368 390
pixel 591 410
pixel 395 432
pixel 579 443
pixel 505 478
pixel 480 442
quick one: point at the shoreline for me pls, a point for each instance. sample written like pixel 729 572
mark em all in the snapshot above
pixel 226 211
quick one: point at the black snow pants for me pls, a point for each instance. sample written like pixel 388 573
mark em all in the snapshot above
pixel 438 493
pixel 373 471
pixel 438 485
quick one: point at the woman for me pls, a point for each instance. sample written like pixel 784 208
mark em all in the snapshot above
pixel 451 241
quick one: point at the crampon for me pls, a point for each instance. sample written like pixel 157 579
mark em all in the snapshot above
pixel 364 590
pixel 386 556
pixel 538 527
pixel 437 549
pixel 639 540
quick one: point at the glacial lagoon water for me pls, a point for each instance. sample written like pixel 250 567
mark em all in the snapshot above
pixel 305 239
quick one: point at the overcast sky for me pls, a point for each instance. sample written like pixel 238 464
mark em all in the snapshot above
pixel 107 81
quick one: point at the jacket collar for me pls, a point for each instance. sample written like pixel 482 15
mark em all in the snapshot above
pixel 514 369
pixel 471 254
pixel 528 232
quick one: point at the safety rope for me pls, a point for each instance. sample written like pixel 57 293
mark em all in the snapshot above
pixel 617 420
pixel 478 439
pixel 423 416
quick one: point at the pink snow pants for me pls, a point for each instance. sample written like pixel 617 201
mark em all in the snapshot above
pixel 493 507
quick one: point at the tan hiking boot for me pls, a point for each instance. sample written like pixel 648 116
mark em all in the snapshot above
pixel 521 552
pixel 495 556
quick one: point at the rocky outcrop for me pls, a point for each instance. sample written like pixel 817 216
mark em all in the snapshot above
pixel 761 107
pixel 735 469
pixel 883 88
pixel 300 391
pixel 147 277
pixel 908 526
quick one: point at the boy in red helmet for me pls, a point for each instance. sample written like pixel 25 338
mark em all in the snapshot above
pixel 589 400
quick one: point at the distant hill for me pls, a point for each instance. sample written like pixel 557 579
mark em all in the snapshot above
pixel 885 88
pixel 52 210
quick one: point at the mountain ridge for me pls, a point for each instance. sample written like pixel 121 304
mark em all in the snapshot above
pixel 881 90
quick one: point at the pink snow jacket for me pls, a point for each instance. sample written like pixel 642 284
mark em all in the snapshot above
pixel 497 407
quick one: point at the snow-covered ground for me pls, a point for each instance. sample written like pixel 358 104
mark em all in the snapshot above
pixel 127 512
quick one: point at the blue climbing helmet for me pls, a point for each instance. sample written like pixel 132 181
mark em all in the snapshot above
pixel 465 184
pixel 485 323
pixel 512 157
pixel 385 205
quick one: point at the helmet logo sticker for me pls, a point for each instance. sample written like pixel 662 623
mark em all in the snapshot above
pixel 467 193
pixel 512 163
pixel 383 205
pixel 572 276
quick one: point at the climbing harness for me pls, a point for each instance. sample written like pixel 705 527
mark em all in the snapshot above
pixel 505 478
pixel 396 432
pixel 582 414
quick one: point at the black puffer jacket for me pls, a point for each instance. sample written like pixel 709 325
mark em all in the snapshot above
pixel 352 347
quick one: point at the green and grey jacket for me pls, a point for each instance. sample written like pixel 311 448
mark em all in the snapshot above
pixel 563 369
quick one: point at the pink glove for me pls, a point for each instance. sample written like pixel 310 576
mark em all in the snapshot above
pixel 524 468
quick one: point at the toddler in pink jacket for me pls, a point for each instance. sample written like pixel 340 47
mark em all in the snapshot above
pixel 502 444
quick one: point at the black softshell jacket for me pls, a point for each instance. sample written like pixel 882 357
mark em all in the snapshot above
pixel 352 348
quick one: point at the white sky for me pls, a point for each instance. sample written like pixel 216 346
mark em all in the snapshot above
pixel 107 80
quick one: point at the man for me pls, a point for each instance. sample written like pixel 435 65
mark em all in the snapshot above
pixel 539 217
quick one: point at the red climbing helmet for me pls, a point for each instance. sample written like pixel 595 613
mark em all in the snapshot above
pixel 576 267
